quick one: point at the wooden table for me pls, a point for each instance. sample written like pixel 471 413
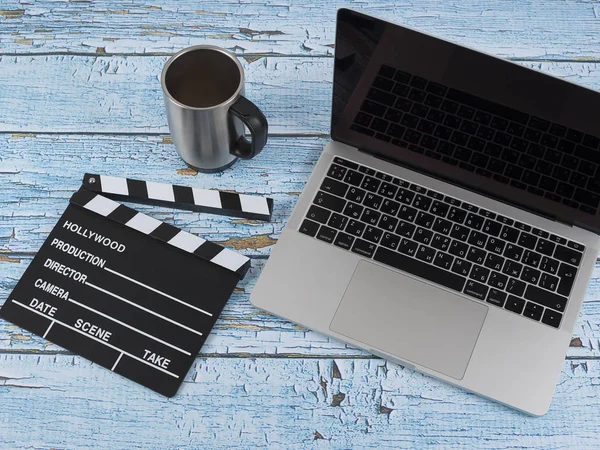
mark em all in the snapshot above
pixel 79 91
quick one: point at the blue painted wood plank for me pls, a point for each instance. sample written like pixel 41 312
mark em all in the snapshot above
pixel 118 94
pixel 243 330
pixel 66 402
pixel 39 173
pixel 521 29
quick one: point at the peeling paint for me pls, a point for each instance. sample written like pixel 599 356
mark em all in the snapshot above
pixel 335 371
pixel 384 409
pixel 8 259
pixel 12 13
pixel 317 436
pixel 252 242
pixel 338 399
pixel 167 140
pixel 101 50
pixel 260 33
pixel 23 41
pixel 188 171
pixel 576 342
pixel 22 135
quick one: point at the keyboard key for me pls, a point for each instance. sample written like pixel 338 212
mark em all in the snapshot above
pixel 355 227
pixel 364 248
pixel 456 214
pixel 390 240
pixel 549 282
pixel 531 258
pixel 318 214
pixel 425 253
pixel 475 289
pixel 515 304
pixel 329 201
pixel 420 269
pixel 477 239
pixel 533 311
pixel 344 241
pixel 459 232
pixel 422 202
pixel 356 194
pixel 545 247
pixel 509 234
pixel 438 208
pixel 424 219
pixel 345 163
pixel 373 200
pixel 512 268
pixel 390 207
pixel 337 172
pixel 495 245
pixel 479 273
pixel 326 234
pixel 568 255
pixel 474 221
pixel 443 260
pixel 408 247
pixel 366 170
pixel 459 249
pixel 309 227
pixel 334 187
pixel 574 245
pixel 494 261
pixel 423 236
pixel 354 178
pixel 338 221
pixel 498 280
pixel 405 229
pixel 515 287
pixel 543 297
pixel 353 210
pixel 492 227
pixel 527 240
pixel 407 213
pixel 442 226
pixel 476 255
pixel 370 183
pixel 387 223
pixel 514 252
pixel 405 196
pixel 388 190
pixel 552 318
pixel 549 265
pixel 372 234
pixel 496 297
pixel 530 275
pixel 461 267
pixel 441 242
pixel 566 274
pixel 370 216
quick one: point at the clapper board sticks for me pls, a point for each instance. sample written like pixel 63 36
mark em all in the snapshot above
pixel 124 290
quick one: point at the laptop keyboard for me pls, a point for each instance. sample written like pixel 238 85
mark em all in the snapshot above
pixel 441 239
pixel 494 141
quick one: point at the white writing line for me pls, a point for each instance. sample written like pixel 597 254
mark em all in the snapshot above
pixel 142 308
pixel 116 362
pixel 46 333
pixel 129 326
pixel 157 291
pixel 97 340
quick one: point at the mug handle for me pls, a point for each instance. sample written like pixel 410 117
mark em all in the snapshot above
pixel 256 122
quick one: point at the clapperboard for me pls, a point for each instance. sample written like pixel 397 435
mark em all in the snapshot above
pixel 129 292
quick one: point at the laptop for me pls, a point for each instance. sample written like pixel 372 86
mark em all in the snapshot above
pixel 451 226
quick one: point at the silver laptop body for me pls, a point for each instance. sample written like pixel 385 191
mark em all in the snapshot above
pixel 391 283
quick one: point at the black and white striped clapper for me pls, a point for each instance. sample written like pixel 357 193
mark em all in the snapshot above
pixel 126 291
pixel 181 197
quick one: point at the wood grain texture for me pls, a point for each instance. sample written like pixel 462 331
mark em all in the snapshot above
pixel 68 403
pixel 39 173
pixel 519 29
pixel 243 330
pixel 120 94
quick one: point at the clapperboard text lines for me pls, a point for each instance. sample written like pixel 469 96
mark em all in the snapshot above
pixel 123 299
pixel 157 291
pixel 127 326
pixel 123 352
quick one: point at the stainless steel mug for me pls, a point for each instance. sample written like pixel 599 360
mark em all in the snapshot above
pixel 203 89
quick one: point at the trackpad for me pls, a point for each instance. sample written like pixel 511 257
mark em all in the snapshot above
pixel 409 319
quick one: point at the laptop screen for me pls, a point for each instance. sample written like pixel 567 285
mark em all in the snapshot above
pixel 480 122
